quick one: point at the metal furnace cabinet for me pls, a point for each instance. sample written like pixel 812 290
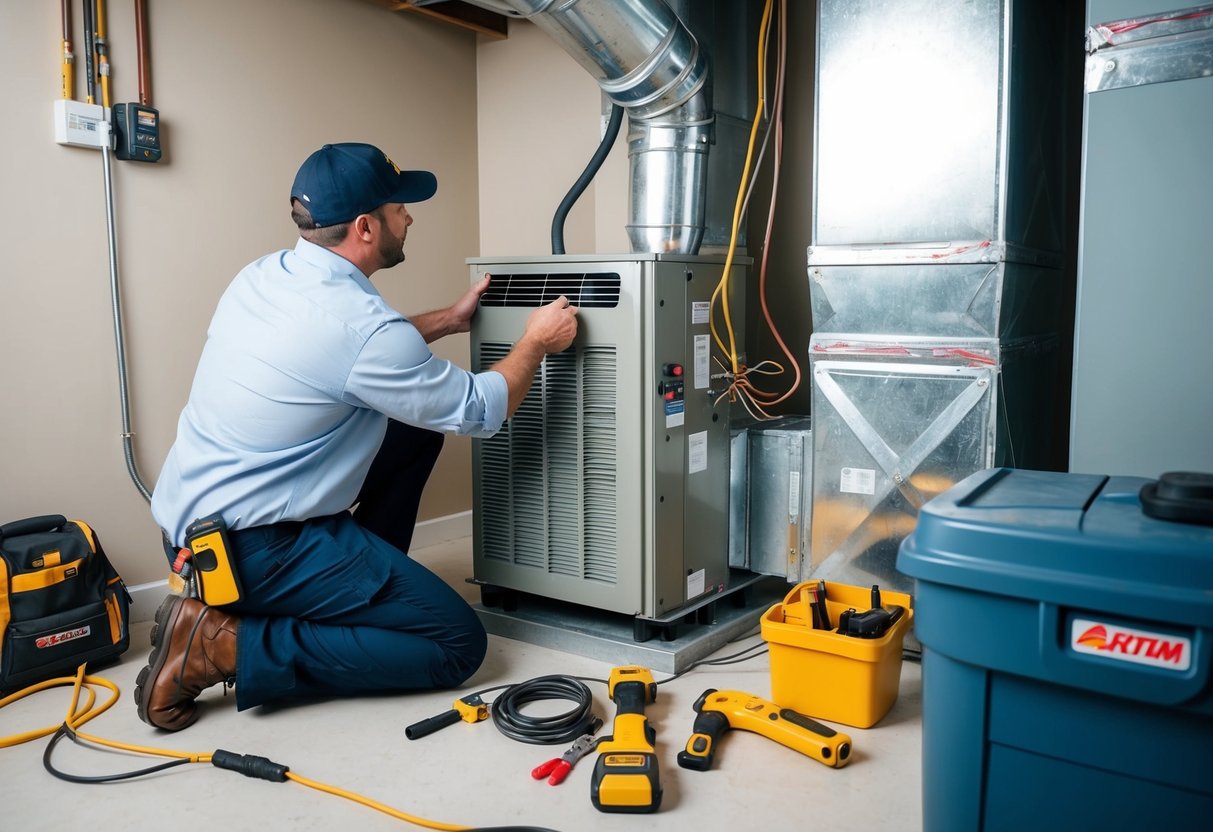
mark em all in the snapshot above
pixel 609 487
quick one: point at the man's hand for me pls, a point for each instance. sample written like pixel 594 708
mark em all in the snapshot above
pixel 462 310
pixel 455 318
pixel 553 326
pixel 549 329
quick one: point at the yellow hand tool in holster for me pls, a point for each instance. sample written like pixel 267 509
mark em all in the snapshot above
pixel 625 777
pixel 211 557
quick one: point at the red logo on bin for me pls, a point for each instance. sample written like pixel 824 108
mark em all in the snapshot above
pixel 1130 645
pixel 1096 637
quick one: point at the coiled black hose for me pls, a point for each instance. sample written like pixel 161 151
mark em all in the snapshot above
pixel 566 726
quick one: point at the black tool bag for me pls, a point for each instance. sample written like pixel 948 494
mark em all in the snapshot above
pixel 61 602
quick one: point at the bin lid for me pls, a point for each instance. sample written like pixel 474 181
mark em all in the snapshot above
pixel 1080 540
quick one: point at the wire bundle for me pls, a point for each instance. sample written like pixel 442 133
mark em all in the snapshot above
pixel 740 386
pixel 567 726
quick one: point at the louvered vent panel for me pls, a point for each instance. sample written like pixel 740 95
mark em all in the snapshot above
pixel 564 481
pixel 588 290
pixel 497 542
pixel 548 478
pixel 527 466
pixel 599 498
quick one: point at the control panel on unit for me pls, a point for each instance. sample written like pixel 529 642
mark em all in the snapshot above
pixel 672 389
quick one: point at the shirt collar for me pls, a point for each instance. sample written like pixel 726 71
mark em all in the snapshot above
pixel 327 259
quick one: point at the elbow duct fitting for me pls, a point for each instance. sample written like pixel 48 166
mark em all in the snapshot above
pixel 648 62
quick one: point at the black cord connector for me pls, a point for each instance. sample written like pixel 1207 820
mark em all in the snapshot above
pixel 250 765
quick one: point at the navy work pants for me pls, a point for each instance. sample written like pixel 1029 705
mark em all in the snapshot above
pixel 333 606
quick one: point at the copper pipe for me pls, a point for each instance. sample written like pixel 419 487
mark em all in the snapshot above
pixel 145 82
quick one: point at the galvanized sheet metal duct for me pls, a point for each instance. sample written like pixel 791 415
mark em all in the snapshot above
pixel 648 62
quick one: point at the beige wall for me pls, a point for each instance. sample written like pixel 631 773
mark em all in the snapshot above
pixel 246 91
pixel 540 122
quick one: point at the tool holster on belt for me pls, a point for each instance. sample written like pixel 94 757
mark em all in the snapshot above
pixel 204 565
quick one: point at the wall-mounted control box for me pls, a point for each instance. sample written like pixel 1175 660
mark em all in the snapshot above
pixel 136 132
pixel 80 124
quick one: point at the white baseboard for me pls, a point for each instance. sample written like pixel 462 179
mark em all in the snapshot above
pixel 442 529
pixel 146 598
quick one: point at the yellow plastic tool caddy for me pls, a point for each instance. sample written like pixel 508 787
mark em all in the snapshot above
pixel 828 675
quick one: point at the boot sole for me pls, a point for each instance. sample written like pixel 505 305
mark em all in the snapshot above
pixel 162 633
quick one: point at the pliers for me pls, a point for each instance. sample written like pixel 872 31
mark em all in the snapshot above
pixel 558 768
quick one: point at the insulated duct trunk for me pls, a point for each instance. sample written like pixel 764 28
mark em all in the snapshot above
pixel 649 63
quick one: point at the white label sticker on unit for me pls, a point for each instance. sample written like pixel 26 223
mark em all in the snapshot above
pixel 675 414
pixel 696 584
pixel 697 452
pixel 858 481
pixel 702 367
pixel 700 310
pixel 793 495
pixel 1125 644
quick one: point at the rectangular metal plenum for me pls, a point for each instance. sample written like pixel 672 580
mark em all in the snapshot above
pixel 979 293
pixel 599 490
pixel 938 122
pixel 897 421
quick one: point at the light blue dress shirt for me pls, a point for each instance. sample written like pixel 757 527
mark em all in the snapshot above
pixel 303 364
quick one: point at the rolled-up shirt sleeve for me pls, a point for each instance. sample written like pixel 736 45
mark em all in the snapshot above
pixel 396 374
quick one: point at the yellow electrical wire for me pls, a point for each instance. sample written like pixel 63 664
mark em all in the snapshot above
pixel 103 61
pixel 722 288
pixel 373 804
pixel 18 739
pixel 741 385
pixel 78 715
pixel 69 78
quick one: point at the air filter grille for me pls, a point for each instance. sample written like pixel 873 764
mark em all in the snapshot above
pixel 548 477
pixel 588 290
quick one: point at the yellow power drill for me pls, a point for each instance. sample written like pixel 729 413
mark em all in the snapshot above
pixel 625 775
pixel 719 710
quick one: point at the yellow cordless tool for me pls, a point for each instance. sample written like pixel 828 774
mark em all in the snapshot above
pixel 625 775
pixel 719 710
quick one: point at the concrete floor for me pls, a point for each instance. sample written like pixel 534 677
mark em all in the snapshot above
pixel 464 776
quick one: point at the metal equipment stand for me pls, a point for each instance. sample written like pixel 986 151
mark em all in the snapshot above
pixel 669 644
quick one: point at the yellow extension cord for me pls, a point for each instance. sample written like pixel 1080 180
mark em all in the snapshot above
pixel 78 716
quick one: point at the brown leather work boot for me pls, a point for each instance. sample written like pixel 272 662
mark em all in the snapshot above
pixel 193 647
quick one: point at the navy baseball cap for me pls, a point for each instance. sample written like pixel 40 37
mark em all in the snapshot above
pixel 340 181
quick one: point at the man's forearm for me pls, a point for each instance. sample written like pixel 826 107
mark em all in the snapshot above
pixel 432 325
pixel 519 369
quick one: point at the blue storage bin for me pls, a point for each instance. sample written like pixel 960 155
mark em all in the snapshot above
pixel 1067 645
